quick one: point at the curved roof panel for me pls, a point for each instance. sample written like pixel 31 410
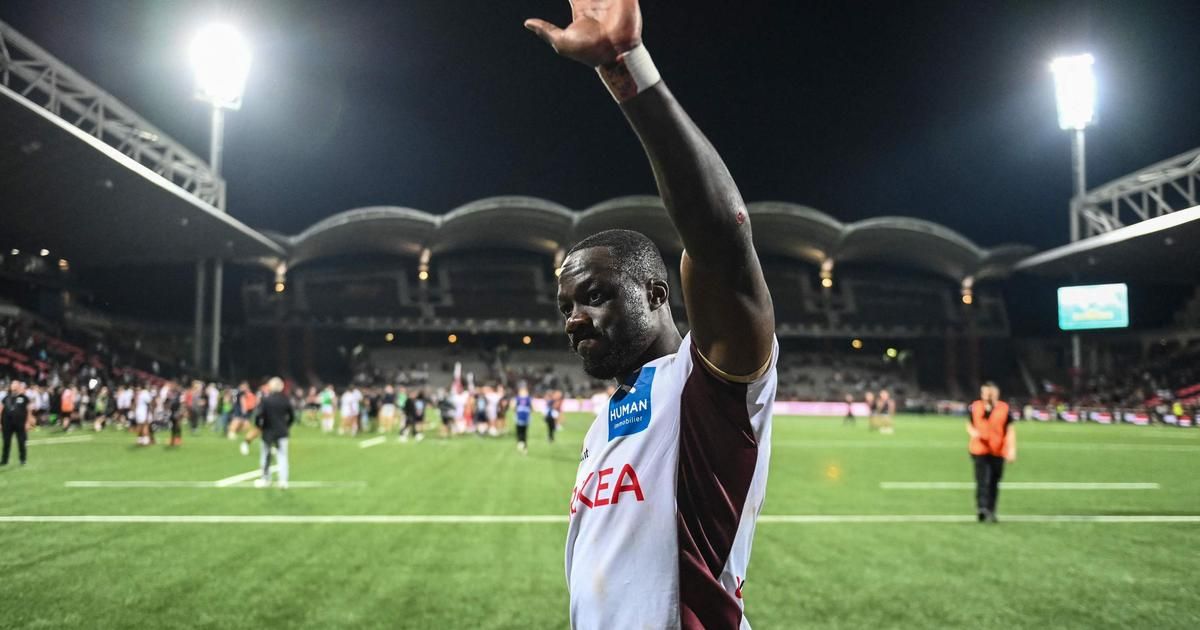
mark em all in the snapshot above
pixel 781 229
pixel 643 213
pixel 375 230
pixel 909 242
pixel 794 231
pixel 527 223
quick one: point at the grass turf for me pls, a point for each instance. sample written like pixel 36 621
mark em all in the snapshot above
pixel 509 575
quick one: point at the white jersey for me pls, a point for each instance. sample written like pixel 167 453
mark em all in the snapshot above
pixel 124 399
pixel 350 402
pixel 670 483
pixel 144 399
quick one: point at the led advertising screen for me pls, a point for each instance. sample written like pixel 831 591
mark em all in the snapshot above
pixel 1093 306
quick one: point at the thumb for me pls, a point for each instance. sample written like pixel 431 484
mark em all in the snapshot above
pixel 545 30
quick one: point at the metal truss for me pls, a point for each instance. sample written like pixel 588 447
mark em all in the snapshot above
pixel 1156 190
pixel 38 76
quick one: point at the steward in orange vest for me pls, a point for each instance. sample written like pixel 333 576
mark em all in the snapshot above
pixel 993 442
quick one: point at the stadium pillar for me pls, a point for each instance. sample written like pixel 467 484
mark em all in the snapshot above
pixel 198 333
pixel 1079 173
pixel 216 148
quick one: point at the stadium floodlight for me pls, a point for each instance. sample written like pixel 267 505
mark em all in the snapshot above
pixel 1075 91
pixel 221 59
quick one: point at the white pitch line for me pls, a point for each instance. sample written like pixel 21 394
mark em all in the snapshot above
pixel 207 484
pixel 1016 485
pixel 970 518
pixel 140 484
pixel 236 479
pixel 388 519
pixel 382 519
pixel 59 440
pixel 884 442
pixel 375 441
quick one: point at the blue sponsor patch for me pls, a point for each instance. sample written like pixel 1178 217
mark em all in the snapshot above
pixel 629 411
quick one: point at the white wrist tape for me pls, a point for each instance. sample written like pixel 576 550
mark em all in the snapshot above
pixel 631 74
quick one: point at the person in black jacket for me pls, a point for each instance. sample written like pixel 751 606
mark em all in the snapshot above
pixel 17 418
pixel 274 418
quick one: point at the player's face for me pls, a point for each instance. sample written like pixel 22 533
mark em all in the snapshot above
pixel 607 314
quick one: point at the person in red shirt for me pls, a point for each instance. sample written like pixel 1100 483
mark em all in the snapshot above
pixel 993 443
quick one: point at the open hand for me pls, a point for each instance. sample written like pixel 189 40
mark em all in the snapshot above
pixel 600 30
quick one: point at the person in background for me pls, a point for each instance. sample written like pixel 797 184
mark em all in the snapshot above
pixel 387 411
pixel 869 398
pixel 16 416
pixel 449 412
pixel 849 419
pixel 66 406
pixel 885 412
pixel 523 406
pixel 351 399
pixel 274 418
pixel 502 406
pixel 243 410
pixel 196 406
pixel 124 400
pixel 993 442
pixel 100 408
pixel 414 415
pixel 553 411
pixel 173 410
pixel 212 395
pixel 144 402
pixel 328 401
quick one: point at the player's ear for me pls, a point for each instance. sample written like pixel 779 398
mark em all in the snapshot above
pixel 657 294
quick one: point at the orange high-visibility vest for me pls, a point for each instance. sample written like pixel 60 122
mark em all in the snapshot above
pixel 991 428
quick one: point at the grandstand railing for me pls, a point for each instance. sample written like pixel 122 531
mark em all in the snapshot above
pixel 33 73
pixel 1154 191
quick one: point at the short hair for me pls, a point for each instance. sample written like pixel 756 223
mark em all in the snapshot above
pixel 639 255
pixel 275 385
pixel 991 384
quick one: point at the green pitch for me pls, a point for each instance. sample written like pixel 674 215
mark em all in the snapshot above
pixel 1032 570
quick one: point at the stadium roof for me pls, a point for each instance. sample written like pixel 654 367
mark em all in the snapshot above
pixel 82 199
pixel 1163 248
pixel 537 225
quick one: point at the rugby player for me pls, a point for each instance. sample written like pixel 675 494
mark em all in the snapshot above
pixel 674 468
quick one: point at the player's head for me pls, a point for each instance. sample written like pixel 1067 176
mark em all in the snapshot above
pixel 989 392
pixel 275 385
pixel 613 293
pixel 884 395
pixel 16 386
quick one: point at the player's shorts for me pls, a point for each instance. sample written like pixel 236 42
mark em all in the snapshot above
pixel 327 410
pixel 388 411
pixel 141 417
pixel 447 420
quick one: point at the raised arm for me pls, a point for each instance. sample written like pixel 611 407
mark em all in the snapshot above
pixel 729 306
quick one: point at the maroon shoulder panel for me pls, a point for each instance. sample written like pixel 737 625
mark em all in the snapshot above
pixel 717 456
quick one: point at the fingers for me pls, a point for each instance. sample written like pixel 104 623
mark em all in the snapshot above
pixel 549 33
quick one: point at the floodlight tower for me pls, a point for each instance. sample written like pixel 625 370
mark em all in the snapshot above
pixel 1075 92
pixel 221 60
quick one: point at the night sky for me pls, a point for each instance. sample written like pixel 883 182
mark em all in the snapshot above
pixel 943 111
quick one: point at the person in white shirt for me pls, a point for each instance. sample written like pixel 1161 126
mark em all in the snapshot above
pixel 142 415
pixel 351 399
pixel 673 471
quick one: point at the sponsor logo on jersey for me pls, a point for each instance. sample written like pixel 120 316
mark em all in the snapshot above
pixel 607 489
pixel 629 411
